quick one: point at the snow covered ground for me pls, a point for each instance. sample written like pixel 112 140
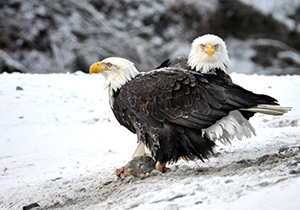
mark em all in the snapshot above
pixel 60 145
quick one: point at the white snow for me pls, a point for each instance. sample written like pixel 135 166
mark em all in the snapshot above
pixel 60 144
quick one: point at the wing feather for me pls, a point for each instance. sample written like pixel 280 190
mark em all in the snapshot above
pixel 183 97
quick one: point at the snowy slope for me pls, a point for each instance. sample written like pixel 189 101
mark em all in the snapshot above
pixel 60 145
pixel 280 10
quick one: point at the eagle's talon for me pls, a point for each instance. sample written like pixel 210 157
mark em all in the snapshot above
pixel 161 167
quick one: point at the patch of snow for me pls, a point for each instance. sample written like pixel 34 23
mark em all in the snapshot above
pixel 60 145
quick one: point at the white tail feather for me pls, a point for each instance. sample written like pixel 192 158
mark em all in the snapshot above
pixel 229 127
pixel 269 109
pixel 232 126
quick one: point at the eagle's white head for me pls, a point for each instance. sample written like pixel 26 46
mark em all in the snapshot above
pixel 117 71
pixel 208 52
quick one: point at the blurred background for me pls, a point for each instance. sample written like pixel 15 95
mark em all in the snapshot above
pixel 50 36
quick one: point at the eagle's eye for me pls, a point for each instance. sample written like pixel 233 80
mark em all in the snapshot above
pixel 216 46
pixel 108 65
pixel 202 46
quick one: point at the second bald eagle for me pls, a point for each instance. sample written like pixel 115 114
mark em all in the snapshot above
pixel 179 113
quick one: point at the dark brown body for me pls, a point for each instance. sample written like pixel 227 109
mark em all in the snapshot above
pixel 167 109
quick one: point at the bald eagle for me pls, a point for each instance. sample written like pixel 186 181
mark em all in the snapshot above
pixel 208 54
pixel 176 112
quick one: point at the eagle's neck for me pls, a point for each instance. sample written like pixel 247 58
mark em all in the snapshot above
pixel 116 78
pixel 205 64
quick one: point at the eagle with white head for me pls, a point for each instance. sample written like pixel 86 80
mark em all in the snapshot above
pixel 176 112
pixel 208 53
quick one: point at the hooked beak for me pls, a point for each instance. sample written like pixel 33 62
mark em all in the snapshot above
pixel 209 50
pixel 97 67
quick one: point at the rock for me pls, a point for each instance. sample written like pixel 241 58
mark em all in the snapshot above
pixel 33 206
pixel 283 149
pixel 128 179
pixel 264 184
pixel 263 159
pixel 295 171
pixel 155 173
pixel 290 152
pixel 293 164
pixel 19 88
pixel 244 162
pixel 200 170
pixel 228 181
pixel 108 182
pixel 297 159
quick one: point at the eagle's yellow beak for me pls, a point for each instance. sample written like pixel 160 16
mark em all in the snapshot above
pixel 96 67
pixel 209 50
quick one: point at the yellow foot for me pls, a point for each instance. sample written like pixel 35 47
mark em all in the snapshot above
pixel 183 158
pixel 161 167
